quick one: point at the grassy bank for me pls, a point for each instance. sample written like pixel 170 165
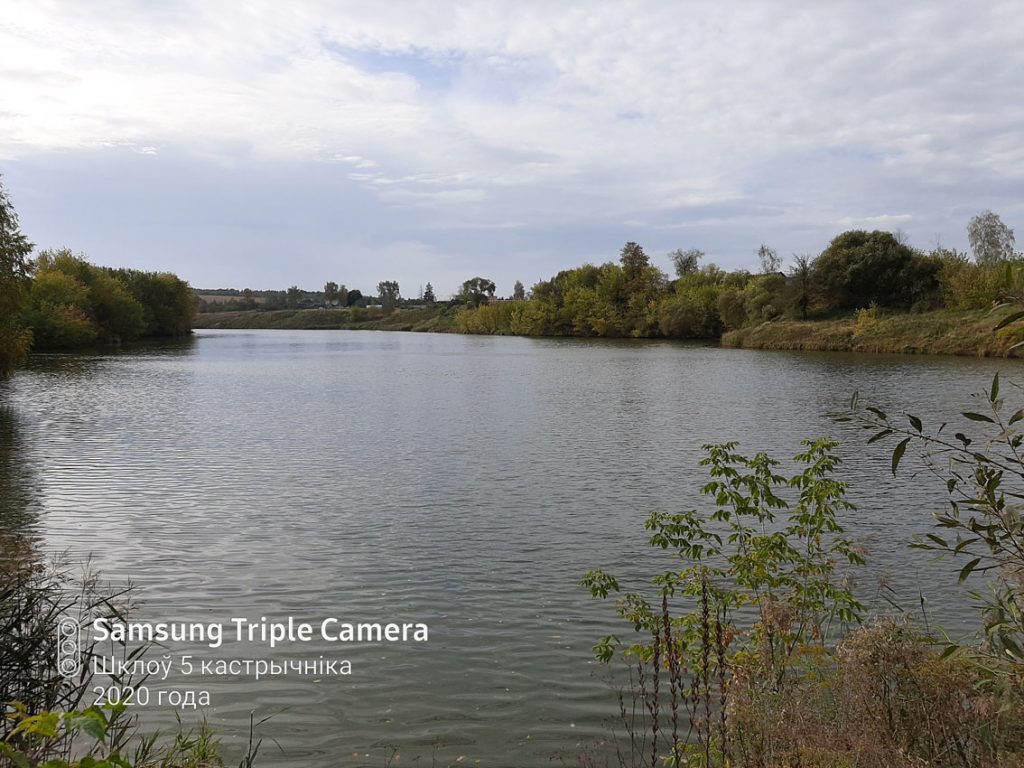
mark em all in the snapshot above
pixel 437 319
pixel 931 333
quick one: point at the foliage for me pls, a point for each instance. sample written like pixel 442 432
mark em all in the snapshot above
pixel 801 278
pixel 755 551
pixel 477 290
pixel 14 278
pixel 330 292
pixel 98 729
pixel 860 268
pixel 768 259
pixel 428 294
pixel 72 303
pixel 983 523
pixel 991 240
pixel 686 262
pixel 519 291
pixel 886 697
pixel 389 294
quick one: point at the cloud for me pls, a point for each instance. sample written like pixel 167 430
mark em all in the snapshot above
pixel 581 113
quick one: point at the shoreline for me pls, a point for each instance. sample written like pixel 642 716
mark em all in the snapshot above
pixel 966 333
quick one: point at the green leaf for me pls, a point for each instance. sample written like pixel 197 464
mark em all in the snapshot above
pixel 897 454
pixel 879 435
pixel 1017 416
pixel 1010 318
pixel 15 757
pixel 949 651
pixel 995 387
pixel 966 570
pixel 914 422
pixel 978 417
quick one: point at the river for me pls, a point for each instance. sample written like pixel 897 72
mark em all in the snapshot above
pixel 464 482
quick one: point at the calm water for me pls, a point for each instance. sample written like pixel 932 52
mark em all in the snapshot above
pixel 466 482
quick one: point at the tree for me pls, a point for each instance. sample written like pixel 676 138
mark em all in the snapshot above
pixel 633 259
pixel 353 297
pixel 428 294
pixel 389 294
pixel 248 300
pixel 477 290
pixel 294 295
pixel 518 291
pixel 800 279
pixel 14 273
pixel 330 292
pixel 342 296
pixel 685 262
pixel 769 259
pixel 861 268
pixel 991 240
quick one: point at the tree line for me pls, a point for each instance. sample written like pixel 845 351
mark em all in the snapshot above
pixel 858 270
pixel 60 301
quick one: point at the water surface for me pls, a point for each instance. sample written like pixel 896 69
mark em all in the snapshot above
pixel 465 482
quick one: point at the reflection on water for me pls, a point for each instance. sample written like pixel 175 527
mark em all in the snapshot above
pixel 21 498
pixel 467 482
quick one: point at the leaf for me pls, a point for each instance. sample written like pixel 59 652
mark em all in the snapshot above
pixel 878 412
pixel 977 417
pixel 1017 416
pixel 995 386
pixel 897 454
pixel 949 651
pixel 966 570
pixel 914 422
pixel 1010 318
pixel 879 435
pixel 15 757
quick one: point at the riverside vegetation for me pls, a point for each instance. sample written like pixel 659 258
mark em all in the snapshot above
pixel 755 652
pixel 59 301
pixel 47 722
pixel 867 291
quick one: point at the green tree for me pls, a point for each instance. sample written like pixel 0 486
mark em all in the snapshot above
pixel 330 292
pixel 293 297
pixel 861 268
pixel 477 290
pixel 801 284
pixel 428 294
pixel 686 262
pixel 389 294
pixel 518 291
pixel 991 240
pixel 14 277
pixel 634 260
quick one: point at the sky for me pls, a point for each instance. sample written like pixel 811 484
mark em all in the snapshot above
pixel 269 144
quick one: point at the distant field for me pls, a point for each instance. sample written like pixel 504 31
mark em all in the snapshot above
pixel 216 298
pixel 439 318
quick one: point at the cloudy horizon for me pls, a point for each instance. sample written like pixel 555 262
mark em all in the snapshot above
pixel 274 145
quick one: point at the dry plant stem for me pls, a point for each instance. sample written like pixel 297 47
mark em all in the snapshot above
pixel 673 675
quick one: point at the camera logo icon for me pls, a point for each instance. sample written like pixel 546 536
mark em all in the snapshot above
pixel 69 648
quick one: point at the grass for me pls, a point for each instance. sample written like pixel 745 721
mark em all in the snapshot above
pixel 932 333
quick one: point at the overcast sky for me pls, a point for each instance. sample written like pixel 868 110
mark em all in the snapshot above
pixel 265 144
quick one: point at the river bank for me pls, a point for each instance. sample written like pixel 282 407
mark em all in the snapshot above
pixel 932 333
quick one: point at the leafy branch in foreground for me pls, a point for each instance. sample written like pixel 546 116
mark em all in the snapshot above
pixel 981 464
pixel 756 553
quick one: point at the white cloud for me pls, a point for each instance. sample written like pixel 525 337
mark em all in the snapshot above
pixel 534 112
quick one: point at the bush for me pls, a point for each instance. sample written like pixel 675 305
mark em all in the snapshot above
pixel 860 268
